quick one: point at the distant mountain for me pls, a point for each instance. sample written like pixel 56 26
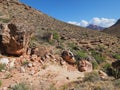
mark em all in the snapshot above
pixel 114 29
pixel 95 27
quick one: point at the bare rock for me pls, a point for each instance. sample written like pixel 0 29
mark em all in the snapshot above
pixel 22 70
pixel 4 61
pixel 85 66
pixel 14 37
pixel 68 56
pixel 102 74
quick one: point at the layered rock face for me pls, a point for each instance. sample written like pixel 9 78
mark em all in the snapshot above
pixel 15 37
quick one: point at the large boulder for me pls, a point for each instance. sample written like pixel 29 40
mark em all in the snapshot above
pixel 15 37
pixel 85 66
pixel 68 57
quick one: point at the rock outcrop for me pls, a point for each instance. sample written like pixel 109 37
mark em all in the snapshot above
pixel 68 56
pixel 15 37
pixel 85 66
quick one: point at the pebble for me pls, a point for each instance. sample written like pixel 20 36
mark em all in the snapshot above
pixel 30 65
pixel 22 69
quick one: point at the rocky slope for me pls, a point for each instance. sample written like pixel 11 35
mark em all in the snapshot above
pixel 48 53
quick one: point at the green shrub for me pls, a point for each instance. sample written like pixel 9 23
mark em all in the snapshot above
pixel 117 83
pixel 4 20
pixel 2 67
pixel 95 65
pixel 107 68
pixel 0 83
pixel 92 77
pixel 116 56
pixel 98 57
pixel 80 55
pixel 20 86
pixel 25 63
pixel 73 46
pixel 56 36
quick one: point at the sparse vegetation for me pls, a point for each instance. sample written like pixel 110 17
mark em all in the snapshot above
pixel 20 86
pixel 98 56
pixel 95 65
pixel 2 67
pixel 117 83
pixel 0 83
pixel 116 56
pixel 80 55
pixel 25 63
pixel 4 20
pixel 92 77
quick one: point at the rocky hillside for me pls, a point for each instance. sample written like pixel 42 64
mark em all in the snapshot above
pixel 48 54
pixel 114 30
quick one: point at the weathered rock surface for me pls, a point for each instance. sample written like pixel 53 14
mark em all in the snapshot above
pixel 85 66
pixel 15 37
pixel 68 56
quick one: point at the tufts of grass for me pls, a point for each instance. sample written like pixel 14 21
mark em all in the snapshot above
pixel 25 63
pixel 116 56
pixel 2 67
pixel 0 83
pixel 20 86
pixel 98 57
pixel 95 65
pixel 92 77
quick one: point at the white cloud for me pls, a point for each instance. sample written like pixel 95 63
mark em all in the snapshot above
pixel 73 22
pixel 104 22
pixel 84 23
pixel 81 23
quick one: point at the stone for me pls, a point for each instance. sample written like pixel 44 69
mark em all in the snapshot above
pixel 30 65
pixel 15 37
pixel 22 70
pixel 85 66
pixel 68 57
pixel 102 74
pixel 12 63
pixel 34 57
pixel 4 61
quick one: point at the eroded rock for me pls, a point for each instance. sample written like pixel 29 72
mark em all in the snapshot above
pixel 15 37
pixel 68 56
pixel 85 66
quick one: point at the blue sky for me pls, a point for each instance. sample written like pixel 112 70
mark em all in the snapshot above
pixel 80 12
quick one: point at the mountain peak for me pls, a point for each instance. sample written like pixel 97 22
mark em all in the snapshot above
pixel 95 27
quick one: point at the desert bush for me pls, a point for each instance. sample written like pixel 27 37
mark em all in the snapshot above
pixel 95 65
pixel 98 57
pixel 0 83
pixel 2 67
pixel 107 69
pixel 4 20
pixel 80 55
pixel 25 63
pixel 56 36
pixel 116 56
pixel 116 83
pixel 73 46
pixel 20 86
pixel 92 77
